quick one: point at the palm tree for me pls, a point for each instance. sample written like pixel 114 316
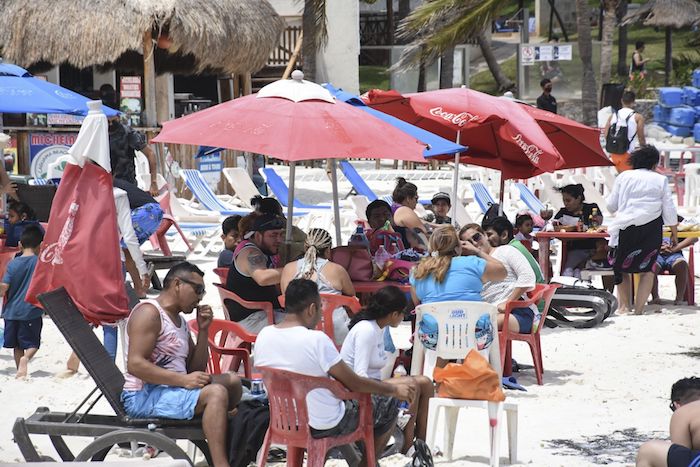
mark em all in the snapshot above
pixel 622 69
pixel 438 25
pixel 585 47
pixel 608 33
pixel 313 25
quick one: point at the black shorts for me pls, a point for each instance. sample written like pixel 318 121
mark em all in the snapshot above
pixel 681 456
pixel 20 334
pixel 385 409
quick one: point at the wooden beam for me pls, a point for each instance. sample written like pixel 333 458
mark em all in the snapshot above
pixel 149 80
pixel 294 57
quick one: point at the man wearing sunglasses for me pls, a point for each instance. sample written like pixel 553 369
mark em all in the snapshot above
pixel 254 275
pixel 683 450
pixel 166 371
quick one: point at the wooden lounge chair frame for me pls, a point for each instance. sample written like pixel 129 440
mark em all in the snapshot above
pixel 107 430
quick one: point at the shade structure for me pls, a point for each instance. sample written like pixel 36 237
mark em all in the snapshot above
pixel 436 145
pixel 499 133
pixel 578 144
pixel 293 131
pixel 20 92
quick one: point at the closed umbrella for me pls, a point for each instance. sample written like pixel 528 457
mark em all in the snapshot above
pixel 20 92
pixel 294 120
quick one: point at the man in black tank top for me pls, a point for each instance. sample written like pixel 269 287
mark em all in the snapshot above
pixel 253 276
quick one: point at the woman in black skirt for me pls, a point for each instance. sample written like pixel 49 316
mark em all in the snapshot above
pixel 643 202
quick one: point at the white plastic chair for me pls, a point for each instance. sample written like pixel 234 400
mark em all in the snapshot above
pixel 692 186
pixel 591 192
pixel 456 336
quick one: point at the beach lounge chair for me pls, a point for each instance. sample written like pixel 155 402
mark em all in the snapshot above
pixel 591 193
pixel 198 187
pixel 548 191
pixel 528 197
pixel 105 431
pixel 281 190
pixel 242 185
pixel 359 186
pixel 456 322
pixel 482 196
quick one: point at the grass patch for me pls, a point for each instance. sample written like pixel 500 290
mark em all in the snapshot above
pixel 484 81
pixel 373 77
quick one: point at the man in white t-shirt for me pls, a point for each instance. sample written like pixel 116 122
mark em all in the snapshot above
pixel 634 121
pixel 293 345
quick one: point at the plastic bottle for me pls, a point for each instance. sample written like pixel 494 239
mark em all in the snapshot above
pixel 393 249
pixel 593 219
pixel 400 371
pixel 359 238
pixel 381 257
pixel 257 389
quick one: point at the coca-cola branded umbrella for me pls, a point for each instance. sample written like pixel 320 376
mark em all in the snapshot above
pixel 577 143
pixel 294 120
pixel 500 133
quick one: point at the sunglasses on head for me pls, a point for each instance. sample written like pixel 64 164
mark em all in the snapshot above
pixel 198 288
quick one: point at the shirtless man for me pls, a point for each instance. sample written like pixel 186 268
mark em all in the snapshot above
pixel 683 450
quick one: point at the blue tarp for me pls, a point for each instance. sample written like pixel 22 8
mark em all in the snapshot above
pixel 20 92
pixel 436 144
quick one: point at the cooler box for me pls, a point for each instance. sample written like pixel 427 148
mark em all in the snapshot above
pixel 696 132
pixel 670 97
pixel 696 78
pixel 697 113
pixel 661 113
pixel 682 131
pixel 682 116
pixel 691 95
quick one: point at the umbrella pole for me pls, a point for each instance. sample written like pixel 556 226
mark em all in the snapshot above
pixel 455 186
pixel 290 203
pixel 500 195
pixel 336 201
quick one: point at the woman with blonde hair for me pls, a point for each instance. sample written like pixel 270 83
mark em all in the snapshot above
pixel 330 278
pixel 455 270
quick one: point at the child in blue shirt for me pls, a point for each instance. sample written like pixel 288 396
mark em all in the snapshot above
pixel 23 321
pixel 19 216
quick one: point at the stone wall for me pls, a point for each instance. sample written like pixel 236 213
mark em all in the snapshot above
pixel 572 108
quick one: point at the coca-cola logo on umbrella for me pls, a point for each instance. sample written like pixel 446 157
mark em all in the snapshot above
pixel 531 151
pixel 459 119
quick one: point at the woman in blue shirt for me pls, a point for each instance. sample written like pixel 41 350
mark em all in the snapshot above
pixel 446 275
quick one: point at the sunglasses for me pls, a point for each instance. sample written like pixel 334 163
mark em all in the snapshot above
pixel 198 288
pixel 476 237
pixel 672 406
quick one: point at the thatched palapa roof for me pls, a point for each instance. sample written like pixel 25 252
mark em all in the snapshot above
pixel 666 13
pixel 231 36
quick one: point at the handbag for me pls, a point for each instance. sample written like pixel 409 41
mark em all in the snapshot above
pixel 356 260
pixel 473 379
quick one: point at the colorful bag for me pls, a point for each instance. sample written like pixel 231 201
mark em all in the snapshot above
pixel 384 237
pixel 356 260
pixel 397 270
pixel 473 379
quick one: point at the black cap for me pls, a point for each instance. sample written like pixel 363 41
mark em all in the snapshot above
pixel 266 222
pixel 441 195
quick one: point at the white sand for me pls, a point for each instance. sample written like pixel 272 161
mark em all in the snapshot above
pixel 605 389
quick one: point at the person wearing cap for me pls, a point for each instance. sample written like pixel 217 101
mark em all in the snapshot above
pixel 441 209
pixel 254 275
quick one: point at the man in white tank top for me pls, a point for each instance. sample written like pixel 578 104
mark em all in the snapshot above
pixel 166 371
pixel 635 130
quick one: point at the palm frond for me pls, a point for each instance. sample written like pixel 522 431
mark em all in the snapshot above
pixel 438 25
pixel 317 8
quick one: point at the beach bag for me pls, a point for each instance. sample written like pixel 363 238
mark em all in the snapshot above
pixel 617 140
pixel 397 270
pixel 356 260
pixel 473 379
pixel 383 237
pixel 580 306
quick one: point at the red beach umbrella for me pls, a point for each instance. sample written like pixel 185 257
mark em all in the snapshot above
pixel 500 134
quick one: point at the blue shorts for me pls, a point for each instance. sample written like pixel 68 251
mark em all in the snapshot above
pixel 665 263
pixel 161 401
pixel 21 334
pixel 525 317
pixel 146 220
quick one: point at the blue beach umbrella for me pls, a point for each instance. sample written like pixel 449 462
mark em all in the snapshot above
pixel 436 144
pixel 20 92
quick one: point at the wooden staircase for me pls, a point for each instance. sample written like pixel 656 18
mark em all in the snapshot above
pixel 286 55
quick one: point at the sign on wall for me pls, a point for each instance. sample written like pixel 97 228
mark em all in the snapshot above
pixel 45 148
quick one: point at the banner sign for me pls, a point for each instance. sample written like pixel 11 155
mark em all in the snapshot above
pixel 45 148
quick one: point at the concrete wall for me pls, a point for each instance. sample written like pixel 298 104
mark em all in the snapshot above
pixel 338 62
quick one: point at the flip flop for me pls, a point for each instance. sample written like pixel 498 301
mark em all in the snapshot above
pixel 509 382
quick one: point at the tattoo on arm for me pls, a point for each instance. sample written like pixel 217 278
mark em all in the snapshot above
pixel 256 260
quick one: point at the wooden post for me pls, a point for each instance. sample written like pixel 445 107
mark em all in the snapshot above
pixel 149 80
pixel 294 57
pixel 668 59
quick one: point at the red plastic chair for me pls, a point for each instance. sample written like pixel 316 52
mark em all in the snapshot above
pixel 289 418
pixel 226 294
pixel 227 338
pixel 330 302
pixel 168 221
pixel 506 337
pixel 222 273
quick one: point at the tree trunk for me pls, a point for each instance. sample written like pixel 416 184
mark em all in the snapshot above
pixel 308 44
pixel 622 69
pixel 504 83
pixel 608 34
pixel 585 46
pixel 447 60
pixel 404 8
pixel 421 77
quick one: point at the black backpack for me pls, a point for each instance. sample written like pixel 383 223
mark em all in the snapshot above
pixel 617 140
